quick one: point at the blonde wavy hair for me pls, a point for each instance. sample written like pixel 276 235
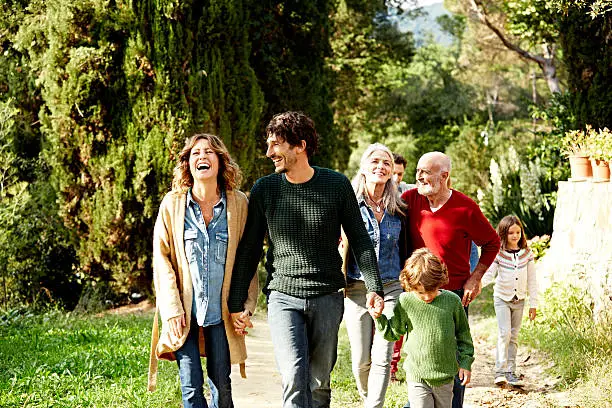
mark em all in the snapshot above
pixel 391 198
pixel 423 269
pixel 229 177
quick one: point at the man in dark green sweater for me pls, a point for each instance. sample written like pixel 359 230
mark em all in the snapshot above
pixel 302 209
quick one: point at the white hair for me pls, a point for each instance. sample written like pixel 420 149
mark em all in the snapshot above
pixel 391 198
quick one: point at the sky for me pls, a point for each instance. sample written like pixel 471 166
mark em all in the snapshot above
pixel 428 2
pixel 422 3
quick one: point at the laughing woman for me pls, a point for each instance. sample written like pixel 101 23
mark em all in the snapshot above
pixel 383 213
pixel 198 228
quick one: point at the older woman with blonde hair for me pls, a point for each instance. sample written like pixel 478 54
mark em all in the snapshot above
pixel 197 231
pixel 383 213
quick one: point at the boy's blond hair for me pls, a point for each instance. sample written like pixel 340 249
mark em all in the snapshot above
pixel 423 269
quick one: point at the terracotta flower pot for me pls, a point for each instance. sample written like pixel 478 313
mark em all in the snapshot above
pixel 601 170
pixel 580 168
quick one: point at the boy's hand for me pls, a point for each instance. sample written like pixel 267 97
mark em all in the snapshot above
pixel 375 305
pixel 465 376
pixel 532 313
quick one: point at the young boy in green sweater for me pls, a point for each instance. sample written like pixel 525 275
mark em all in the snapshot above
pixel 439 343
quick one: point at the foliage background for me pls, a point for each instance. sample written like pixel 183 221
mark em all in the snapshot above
pixel 96 99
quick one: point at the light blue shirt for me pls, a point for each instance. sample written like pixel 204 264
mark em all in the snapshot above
pixel 206 248
pixel 385 238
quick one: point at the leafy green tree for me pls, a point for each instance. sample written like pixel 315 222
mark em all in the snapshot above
pixel 123 84
pixel 369 58
pixel 289 47
pixel 525 27
pixel 587 54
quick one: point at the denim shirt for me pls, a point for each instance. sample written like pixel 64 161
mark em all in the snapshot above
pixel 206 249
pixel 385 238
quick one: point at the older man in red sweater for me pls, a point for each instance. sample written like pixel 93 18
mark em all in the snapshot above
pixel 447 221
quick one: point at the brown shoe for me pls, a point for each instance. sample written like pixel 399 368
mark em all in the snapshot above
pixel 394 378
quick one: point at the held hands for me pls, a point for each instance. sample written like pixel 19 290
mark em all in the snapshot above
pixel 532 313
pixel 176 325
pixel 242 321
pixel 465 376
pixel 375 305
pixel 471 289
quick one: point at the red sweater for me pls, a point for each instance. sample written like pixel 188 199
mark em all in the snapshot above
pixel 449 231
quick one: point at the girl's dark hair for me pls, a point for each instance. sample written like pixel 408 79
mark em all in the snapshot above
pixel 229 176
pixel 293 127
pixel 503 227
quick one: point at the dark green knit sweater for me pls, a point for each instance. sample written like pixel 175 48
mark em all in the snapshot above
pixel 439 336
pixel 303 224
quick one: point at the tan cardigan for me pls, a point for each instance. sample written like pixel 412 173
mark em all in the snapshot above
pixel 173 284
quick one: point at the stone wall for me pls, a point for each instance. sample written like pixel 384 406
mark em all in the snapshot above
pixel 580 250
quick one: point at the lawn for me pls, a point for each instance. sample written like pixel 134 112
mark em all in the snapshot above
pixel 59 359
pixel 64 360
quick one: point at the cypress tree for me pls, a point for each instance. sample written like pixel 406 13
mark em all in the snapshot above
pixel 123 85
pixel 290 45
pixel 587 55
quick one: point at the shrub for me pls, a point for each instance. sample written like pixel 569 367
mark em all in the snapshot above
pixel 539 245
pixel 567 332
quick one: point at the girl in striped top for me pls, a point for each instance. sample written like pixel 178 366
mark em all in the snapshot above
pixel 514 274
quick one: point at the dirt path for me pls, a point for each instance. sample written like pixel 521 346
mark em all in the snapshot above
pixel 262 387
pixel 538 386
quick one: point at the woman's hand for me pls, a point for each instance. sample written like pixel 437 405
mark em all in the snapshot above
pixel 242 321
pixel 532 313
pixel 176 325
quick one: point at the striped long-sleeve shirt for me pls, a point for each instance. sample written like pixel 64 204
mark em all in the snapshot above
pixel 514 275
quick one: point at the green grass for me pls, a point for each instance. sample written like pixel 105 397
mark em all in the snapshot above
pixel 63 360
pixel 344 389
pixel 580 347
pixel 58 359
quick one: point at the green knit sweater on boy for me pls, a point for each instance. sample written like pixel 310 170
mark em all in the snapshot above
pixel 439 339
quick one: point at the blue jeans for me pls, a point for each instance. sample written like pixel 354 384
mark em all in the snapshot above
pixel 305 338
pixel 458 389
pixel 218 368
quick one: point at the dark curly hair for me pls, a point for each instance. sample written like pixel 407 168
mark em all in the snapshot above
pixel 399 159
pixel 293 127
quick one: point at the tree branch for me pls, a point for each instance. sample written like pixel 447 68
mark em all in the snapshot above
pixel 480 11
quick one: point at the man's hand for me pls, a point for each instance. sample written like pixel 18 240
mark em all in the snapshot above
pixel 241 321
pixel 532 313
pixel 471 289
pixel 375 304
pixel 465 376
pixel 176 325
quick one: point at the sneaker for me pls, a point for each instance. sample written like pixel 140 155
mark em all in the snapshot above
pixel 500 379
pixel 514 380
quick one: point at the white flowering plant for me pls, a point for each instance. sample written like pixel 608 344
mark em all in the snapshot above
pixel 539 245
pixel 600 143
pixel 576 143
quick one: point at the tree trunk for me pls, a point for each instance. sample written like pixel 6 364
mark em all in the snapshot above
pixel 550 73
